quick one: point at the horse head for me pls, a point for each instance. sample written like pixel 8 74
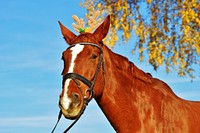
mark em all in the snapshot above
pixel 83 69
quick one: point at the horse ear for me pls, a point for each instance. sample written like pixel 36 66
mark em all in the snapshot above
pixel 68 35
pixel 101 32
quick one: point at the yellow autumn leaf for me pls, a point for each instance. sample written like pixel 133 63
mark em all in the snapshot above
pixel 166 31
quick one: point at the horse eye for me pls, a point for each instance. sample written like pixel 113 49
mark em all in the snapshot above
pixel 94 56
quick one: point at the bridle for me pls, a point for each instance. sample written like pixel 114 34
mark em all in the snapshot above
pixel 76 78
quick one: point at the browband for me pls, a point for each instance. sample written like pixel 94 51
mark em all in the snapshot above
pixel 87 43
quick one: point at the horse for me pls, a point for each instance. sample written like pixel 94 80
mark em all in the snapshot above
pixel 133 101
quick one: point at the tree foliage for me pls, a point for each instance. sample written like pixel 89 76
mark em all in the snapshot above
pixel 168 31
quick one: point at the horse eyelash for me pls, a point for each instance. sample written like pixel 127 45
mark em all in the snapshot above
pixel 94 56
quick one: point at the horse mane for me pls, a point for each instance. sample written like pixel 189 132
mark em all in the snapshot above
pixel 123 64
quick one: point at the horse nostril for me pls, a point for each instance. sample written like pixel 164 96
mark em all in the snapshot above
pixel 75 99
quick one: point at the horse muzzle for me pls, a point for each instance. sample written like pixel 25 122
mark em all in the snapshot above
pixel 70 107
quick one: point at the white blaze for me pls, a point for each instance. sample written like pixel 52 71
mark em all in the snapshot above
pixel 65 101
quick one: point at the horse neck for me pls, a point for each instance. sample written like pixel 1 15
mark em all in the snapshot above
pixel 127 92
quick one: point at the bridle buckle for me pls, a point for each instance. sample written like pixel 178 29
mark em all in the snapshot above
pixel 91 94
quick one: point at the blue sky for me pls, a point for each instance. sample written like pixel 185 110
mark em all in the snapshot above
pixel 30 68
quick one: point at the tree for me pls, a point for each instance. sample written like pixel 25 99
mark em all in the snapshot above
pixel 168 31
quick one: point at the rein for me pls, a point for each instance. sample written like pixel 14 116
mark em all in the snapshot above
pixel 90 84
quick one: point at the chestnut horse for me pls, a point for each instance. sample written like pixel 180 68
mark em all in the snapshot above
pixel 132 100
